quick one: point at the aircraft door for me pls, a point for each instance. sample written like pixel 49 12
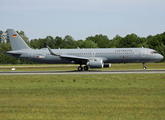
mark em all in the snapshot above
pixel 143 53
pixel 31 54
pixel 64 53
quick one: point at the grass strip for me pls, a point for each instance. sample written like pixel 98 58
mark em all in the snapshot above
pixel 83 97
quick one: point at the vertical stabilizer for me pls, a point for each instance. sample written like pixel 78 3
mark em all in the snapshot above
pixel 17 43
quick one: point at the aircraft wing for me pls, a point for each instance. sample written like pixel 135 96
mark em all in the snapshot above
pixel 74 57
pixel 69 56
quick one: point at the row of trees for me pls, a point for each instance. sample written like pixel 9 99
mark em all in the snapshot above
pixel 156 42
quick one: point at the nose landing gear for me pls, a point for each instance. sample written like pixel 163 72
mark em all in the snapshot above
pixel 144 67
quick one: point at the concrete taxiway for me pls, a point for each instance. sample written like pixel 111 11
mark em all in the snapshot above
pixel 157 71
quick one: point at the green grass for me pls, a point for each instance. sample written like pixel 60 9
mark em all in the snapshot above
pixel 83 97
pixel 45 67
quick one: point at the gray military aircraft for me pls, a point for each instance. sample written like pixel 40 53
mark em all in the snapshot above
pixel 93 58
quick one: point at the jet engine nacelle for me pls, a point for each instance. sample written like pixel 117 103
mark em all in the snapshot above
pixel 107 65
pixel 96 63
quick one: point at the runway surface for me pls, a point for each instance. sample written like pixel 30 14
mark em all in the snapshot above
pixel 157 71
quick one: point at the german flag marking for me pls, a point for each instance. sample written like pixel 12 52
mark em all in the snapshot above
pixel 14 35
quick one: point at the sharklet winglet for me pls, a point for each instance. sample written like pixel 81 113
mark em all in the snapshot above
pixel 51 52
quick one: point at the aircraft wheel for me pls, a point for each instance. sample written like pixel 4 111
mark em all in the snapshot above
pixel 85 68
pixel 80 68
pixel 144 68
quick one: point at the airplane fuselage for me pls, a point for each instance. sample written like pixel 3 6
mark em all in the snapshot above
pixel 109 55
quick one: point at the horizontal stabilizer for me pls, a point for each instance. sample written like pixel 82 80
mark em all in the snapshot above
pixel 12 52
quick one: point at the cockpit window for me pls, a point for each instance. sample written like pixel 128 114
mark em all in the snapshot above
pixel 153 52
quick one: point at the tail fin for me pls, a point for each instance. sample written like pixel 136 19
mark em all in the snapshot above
pixel 17 43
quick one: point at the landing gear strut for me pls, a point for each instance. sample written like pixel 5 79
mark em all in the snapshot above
pixel 144 67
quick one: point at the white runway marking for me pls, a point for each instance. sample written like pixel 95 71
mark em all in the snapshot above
pixel 158 71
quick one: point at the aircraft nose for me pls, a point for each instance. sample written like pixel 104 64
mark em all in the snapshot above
pixel 160 57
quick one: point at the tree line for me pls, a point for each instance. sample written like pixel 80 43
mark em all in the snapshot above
pixel 156 42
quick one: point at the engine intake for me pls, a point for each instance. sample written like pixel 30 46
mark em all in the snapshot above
pixel 96 63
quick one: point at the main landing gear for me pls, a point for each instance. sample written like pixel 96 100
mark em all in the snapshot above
pixel 85 68
pixel 144 67
pixel 80 68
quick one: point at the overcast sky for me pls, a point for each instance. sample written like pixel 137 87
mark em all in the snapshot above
pixel 83 18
